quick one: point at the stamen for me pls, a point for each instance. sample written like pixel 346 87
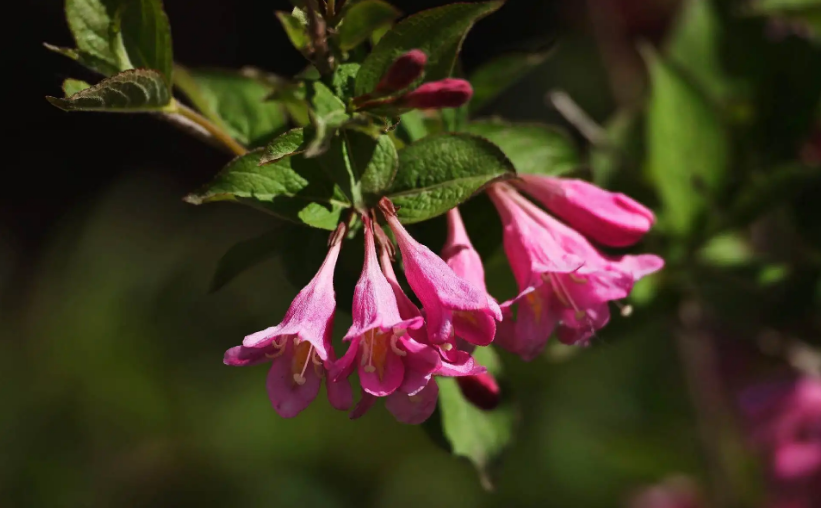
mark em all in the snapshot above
pixel 300 378
pixel 447 346
pixel 279 344
pixel 575 278
pixel 367 355
pixel 395 346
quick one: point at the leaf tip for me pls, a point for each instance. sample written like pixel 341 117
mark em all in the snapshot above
pixel 59 103
pixel 193 199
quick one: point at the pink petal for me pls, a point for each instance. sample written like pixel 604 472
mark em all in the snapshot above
pixel 535 321
pixel 391 378
pixel 482 390
pixel 241 356
pixel 344 367
pixel 797 460
pixel 287 396
pixel 363 406
pixel 414 409
pixel 609 218
pixel 421 361
pixel 459 363
pixel 459 253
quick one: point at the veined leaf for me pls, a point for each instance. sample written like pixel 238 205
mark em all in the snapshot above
pixel 91 23
pixel 328 114
pixel 438 32
pixel 289 143
pixel 439 172
pixel 533 148
pixel 293 188
pixel 146 35
pixel 235 102
pixel 133 91
pixel 361 19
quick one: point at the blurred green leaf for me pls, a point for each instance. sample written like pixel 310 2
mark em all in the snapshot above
pixel 295 29
pixel 411 127
pixel 454 119
pixel 248 254
pixel 807 12
pixel 439 172
pixel 762 192
pixel 686 143
pixel 293 188
pixel 234 102
pixel 361 19
pixel 328 114
pixel 533 148
pixel 73 86
pixel 727 250
pixel 624 146
pixel 478 435
pixel 289 143
pixel 146 35
pixel 132 91
pixel 496 75
pixel 695 46
pixel 438 32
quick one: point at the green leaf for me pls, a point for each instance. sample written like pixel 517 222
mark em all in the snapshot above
pixel 248 254
pixel 411 127
pixel 686 143
pixel 623 149
pixel 344 79
pixel 73 86
pixel 133 91
pixel 235 102
pixel 533 148
pixel 438 32
pixel 296 31
pixel 146 35
pixel 695 44
pixel 361 19
pixel 374 162
pixel 99 46
pixel 478 435
pixel 328 114
pixel 289 143
pixel 293 188
pixel 439 172
pixel 495 76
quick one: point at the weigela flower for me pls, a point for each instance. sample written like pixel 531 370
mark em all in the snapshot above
pixel 299 348
pixel 403 72
pixel 453 306
pixel 446 93
pixel 564 282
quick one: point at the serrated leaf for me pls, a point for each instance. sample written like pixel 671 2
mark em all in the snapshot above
pixel 133 91
pixel 235 102
pixel 686 143
pixel 295 30
pixel 146 35
pixel 73 86
pixel 695 44
pixel 439 172
pixel 293 188
pixel 438 32
pixel 328 114
pixel 533 148
pixel 361 19
pixel 495 76
pixel 248 254
pixel 480 436
pixel 289 143
pixel 91 23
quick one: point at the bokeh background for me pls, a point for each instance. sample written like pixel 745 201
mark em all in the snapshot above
pixel 113 388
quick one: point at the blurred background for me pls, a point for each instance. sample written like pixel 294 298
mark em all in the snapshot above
pixel 114 392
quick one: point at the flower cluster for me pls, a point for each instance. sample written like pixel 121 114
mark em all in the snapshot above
pixel 786 426
pixel 398 349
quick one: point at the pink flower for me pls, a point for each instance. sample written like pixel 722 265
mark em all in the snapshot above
pixel 606 217
pixel 481 390
pixel 453 306
pixel 565 284
pixel 388 359
pixel 299 348
pixel 459 253
pixel 447 93
pixel 403 72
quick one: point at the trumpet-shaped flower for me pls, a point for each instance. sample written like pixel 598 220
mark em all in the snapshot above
pixel 299 348
pixel 453 306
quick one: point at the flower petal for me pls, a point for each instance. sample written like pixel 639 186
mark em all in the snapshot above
pixel 287 396
pixel 414 409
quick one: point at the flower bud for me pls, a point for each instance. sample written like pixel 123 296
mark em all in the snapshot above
pixel 404 71
pixel 447 93
pixel 481 390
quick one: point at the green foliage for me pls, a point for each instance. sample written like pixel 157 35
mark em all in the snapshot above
pixel 134 91
pixel 439 172
pixel 438 32
pixel 479 435
pixel 687 146
pixel 235 102
pixel 328 113
pixel 146 35
pixel 807 12
pixel 361 19
pixel 248 254
pixel 495 76
pixel 533 148
pixel 296 29
pixel 73 86
pixel 289 143
pixel 293 188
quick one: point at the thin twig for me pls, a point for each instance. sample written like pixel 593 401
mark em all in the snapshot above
pixel 322 58
pixel 577 117
pixel 213 130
